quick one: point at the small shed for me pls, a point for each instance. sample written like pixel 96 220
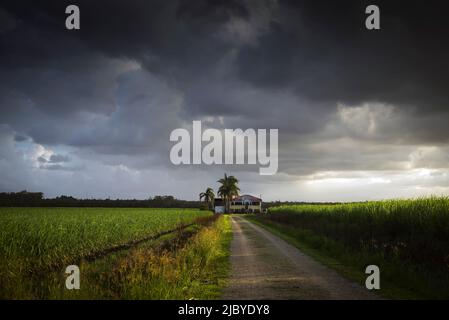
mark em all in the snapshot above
pixel 219 206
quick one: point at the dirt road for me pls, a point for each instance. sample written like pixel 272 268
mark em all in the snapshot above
pixel 266 267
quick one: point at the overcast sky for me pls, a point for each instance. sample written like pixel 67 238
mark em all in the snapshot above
pixel 361 114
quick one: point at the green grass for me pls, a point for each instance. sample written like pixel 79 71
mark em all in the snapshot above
pixel 189 264
pixel 407 239
pixel 38 240
pixel 198 270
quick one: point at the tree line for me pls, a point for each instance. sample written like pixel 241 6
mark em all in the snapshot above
pixel 36 199
pixel 226 191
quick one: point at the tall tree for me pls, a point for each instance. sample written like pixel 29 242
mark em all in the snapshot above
pixel 228 189
pixel 208 196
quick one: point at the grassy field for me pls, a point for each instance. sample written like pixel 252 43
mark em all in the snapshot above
pixel 36 244
pixel 407 239
pixel 196 269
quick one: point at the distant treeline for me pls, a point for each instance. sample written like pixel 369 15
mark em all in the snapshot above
pixel 36 199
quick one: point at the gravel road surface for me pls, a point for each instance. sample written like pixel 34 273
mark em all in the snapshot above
pixel 266 267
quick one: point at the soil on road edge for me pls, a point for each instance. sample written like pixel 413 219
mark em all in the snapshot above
pixel 266 267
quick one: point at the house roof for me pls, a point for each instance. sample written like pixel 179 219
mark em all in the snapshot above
pixel 244 197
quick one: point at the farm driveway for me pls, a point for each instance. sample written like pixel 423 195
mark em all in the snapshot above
pixel 266 267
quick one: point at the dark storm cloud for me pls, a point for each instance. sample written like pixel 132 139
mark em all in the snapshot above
pixel 342 97
pixel 168 30
pixel 319 48
pixel 63 88
pixel 323 51
pixel 50 73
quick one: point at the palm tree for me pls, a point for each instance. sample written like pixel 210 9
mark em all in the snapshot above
pixel 208 196
pixel 228 189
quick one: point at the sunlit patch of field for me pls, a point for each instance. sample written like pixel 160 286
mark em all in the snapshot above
pixel 37 242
